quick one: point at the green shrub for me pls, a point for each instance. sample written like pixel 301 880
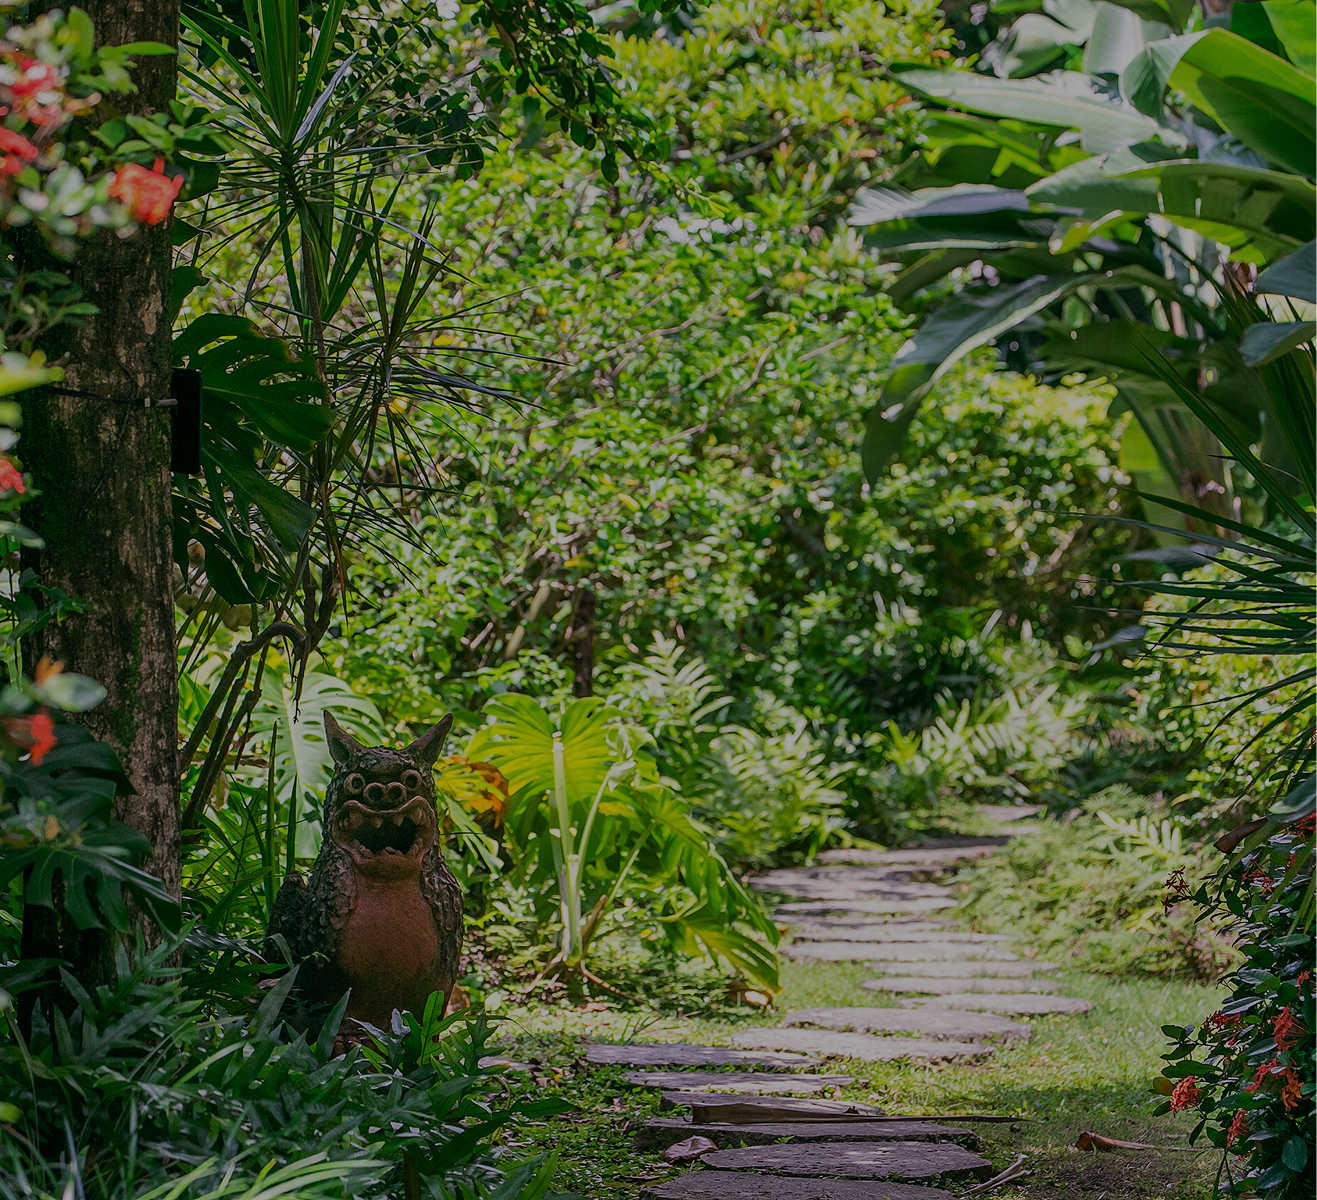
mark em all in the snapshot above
pixel 1087 892
pixel 1249 1068
pixel 140 1091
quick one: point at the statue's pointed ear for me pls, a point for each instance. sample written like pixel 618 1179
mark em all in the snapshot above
pixel 342 745
pixel 426 747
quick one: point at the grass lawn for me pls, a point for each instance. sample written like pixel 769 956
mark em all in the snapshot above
pixel 1092 1072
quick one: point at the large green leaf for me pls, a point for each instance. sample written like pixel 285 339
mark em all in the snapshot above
pixel 961 325
pixel 1263 100
pixel 1143 81
pixel 1292 275
pixel 1268 340
pixel 520 743
pixel 1119 35
pixel 1069 102
pixel 1174 13
pixel 1293 23
pixel 1084 189
pixel 258 377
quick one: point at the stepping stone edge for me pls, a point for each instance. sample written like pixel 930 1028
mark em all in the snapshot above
pixel 906 1161
pixel 679 1054
pixel 658 1133
pixel 759 1083
pixel 730 1185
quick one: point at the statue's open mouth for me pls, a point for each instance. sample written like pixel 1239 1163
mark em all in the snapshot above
pixel 400 834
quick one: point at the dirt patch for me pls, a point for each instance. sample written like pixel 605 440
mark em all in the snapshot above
pixel 1118 1175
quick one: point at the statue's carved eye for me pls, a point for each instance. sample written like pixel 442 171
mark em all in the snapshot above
pixel 397 793
pixel 354 784
pixel 411 780
pixel 374 792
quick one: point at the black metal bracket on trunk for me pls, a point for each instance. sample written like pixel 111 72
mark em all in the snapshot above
pixel 185 450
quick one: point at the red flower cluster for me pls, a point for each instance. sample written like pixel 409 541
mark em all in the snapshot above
pixel 1289 1030
pixel 1177 889
pixel 1292 1092
pixel 37 94
pixel 1219 1024
pixel 149 195
pixel 35 734
pixel 18 151
pixel 1186 1095
pixel 1238 1128
pixel 11 478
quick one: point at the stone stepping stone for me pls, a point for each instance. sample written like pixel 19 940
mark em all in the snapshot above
pixel 659 1133
pixel 894 952
pixel 1034 1005
pixel 923 932
pixel 948 987
pixel 756 1083
pixel 848 892
pixel 966 969
pixel 820 907
pixel 774 1107
pixel 678 1054
pixel 918 857
pixel 892 1160
pixel 930 1022
pixel 859 1045
pixel 730 1185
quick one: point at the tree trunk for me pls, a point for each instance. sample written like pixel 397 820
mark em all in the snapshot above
pixel 582 643
pixel 101 465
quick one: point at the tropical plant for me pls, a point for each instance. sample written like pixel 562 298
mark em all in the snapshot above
pixel 1105 226
pixel 108 1100
pixel 589 821
pixel 1088 889
pixel 1249 1068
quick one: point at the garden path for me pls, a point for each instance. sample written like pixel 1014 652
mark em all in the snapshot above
pixel 766 1132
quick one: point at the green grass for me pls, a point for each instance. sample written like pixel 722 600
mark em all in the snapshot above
pixel 1092 1072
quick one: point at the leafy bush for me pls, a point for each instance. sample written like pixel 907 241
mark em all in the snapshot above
pixel 140 1093
pixel 1087 892
pixel 1249 1068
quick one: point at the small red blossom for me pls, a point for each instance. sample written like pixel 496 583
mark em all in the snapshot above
pixel 34 734
pixel 1303 978
pixel 149 195
pixel 1185 1095
pixel 1289 1030
pixel 1292 1093
pixel 35 78
pixel 1260 1076
pixel 1305 828
pixel 11 478
pixel 16 143
pixel 1177 889
pixel 1238 1128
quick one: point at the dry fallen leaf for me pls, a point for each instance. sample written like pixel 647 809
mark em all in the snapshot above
pixel 1095 1141
pixel 690 1149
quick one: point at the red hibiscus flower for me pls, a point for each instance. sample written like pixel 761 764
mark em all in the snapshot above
pixel 149 195
pixel 34 734
pixel 1185 1095
pixel 11 478
pixel 16 143
pixel 36 77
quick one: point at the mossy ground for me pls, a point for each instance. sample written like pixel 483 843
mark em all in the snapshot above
pixel 1092 1072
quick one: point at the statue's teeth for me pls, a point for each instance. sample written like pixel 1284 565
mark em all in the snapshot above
pixel 397 818
pixel 376 822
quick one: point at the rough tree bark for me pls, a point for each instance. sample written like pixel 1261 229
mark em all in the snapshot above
pixel 582 642
pixel 102 467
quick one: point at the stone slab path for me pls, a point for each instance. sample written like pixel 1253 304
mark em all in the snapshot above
pixel 964 969
pixel 863 1046
pixel 804 1146
pixel 736 1185
pixel 928 1022
pixel 743 1083
pixel 945 987
pixel 1033 1005
pixel 704 1106
pixel 906 1161
pixel 924 932
pixel 896 952
pixel 659 1133
pixel 677 1054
